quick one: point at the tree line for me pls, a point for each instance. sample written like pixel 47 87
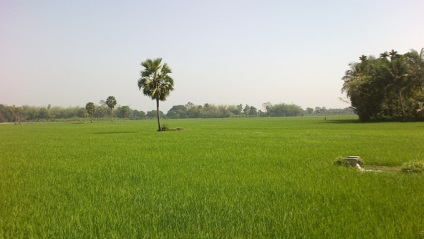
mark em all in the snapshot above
pixel 207 110
pixel 101 112
pixel 388 87
pixel 57 113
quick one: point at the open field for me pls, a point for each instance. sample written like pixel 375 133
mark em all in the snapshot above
pixel 218 178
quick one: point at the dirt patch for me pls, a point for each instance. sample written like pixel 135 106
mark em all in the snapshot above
pixel 384 169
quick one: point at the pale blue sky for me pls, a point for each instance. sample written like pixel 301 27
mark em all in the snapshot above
pixel 68 53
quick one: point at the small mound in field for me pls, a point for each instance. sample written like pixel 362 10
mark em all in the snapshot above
pixel 340 161
pixel 166 128
pixel 172 129
pixel 382 169
pixel 350 161
pixel 413 167
pixel 358 163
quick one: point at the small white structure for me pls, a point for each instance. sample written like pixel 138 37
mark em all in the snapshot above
pixel 355 161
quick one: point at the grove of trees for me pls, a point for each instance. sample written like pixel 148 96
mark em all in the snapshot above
pixel 57 113
pixel 191 110
pixel 388 87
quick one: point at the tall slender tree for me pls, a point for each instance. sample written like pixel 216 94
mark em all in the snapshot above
pixel 111 102
pixel 90 108
pixel 156 82
pixel 17 112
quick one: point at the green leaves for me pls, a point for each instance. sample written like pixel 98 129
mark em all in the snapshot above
pixel 155 81
pixel 90 108
pixel 111 102
pixel 388 87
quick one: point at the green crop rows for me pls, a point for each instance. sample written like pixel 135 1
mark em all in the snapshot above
pixel 217 178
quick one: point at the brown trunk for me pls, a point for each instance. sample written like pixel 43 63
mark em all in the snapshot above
pixel 157 113
pixel 401 104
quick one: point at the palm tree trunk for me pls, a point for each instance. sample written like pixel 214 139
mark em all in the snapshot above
pixel 401 104
pixel 157 113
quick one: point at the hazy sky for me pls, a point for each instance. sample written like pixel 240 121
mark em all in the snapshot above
pixel 68 53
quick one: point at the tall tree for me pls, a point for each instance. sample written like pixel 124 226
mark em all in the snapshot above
pixel 17 112
pixel 124 112
pixel 309 110
pixel 177 112
pixel 111 102
pixel 253 111
pixel 156 82
pixel 246 110
pixel 90 108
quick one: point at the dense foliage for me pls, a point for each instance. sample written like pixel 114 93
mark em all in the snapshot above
pixel 49 113
pixel 111 102
pixel 389 87
pixel 90 108
pixel 189 110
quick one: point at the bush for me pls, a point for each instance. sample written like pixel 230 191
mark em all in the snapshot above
pixel 340 161
pixel 413 167
pixel 164 127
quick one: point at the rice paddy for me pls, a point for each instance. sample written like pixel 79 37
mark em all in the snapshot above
pixel 217 178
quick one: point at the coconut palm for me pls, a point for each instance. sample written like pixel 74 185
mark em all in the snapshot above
pixel 155 82
pixel 111 102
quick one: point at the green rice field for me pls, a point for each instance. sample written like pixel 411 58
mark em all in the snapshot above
pixel 217 178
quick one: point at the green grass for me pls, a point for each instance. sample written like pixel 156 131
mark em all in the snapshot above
pixel 218 178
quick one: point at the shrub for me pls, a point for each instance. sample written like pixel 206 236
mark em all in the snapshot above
pixel 340 161
pixel 165 127
pixel 413 167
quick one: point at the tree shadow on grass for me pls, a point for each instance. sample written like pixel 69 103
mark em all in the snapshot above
pixel 342 121
pixel 116 132
pixel 357 121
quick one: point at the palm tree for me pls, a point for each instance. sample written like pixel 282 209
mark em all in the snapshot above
pixel 415 75
pixel 156 82
pixel 384 55
pixel 17 112
pixel 90 108
pixel 415 62
pixel 395 72
pixel 111 102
